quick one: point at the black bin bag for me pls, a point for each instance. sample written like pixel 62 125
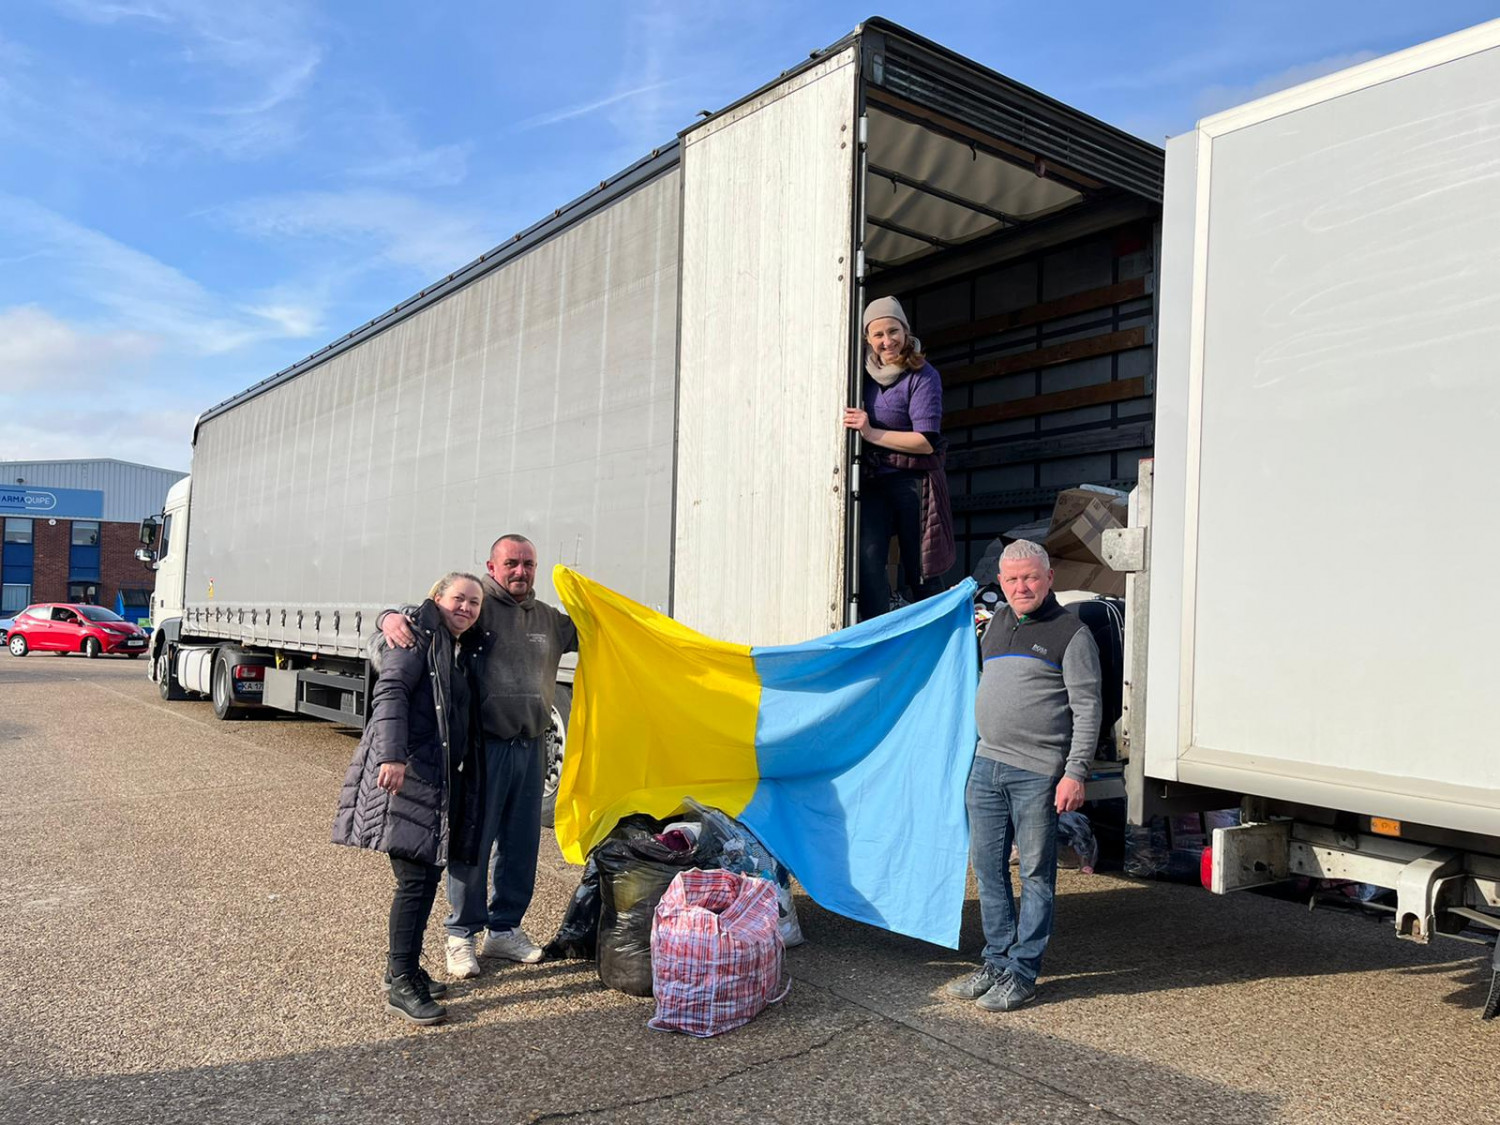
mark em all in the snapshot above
pixel 634 872
pixel 578 937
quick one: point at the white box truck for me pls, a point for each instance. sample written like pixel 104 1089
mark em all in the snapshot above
pixel 1306 628
pixel 649 384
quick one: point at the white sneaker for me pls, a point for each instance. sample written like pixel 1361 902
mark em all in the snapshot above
pixel 513 945
pixel 461 962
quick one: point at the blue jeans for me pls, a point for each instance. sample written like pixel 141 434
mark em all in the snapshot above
pixel 511 832
pixel 1013 806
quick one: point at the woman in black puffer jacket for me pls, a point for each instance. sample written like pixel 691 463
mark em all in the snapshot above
pixel 412 790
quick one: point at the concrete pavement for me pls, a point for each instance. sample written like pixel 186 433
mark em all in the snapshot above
pixel 180 942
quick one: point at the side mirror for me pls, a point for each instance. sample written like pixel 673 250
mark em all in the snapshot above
pixel 146 555
pixel 148 534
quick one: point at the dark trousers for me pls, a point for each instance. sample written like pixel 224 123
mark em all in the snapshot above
pixel 508 842
pixel 416 887
pixel 889 505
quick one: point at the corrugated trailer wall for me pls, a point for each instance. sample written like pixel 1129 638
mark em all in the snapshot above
pixel 1047 365
pixel 539 398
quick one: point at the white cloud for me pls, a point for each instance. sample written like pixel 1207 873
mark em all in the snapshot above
pixel 247 69
pixel 589 107
pixel 39 350
pixel 438 166
pixel 73 390
pixel 400 229
pixel 131 290
pixel 150 436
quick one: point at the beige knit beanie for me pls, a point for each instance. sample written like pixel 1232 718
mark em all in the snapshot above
pixel 883 307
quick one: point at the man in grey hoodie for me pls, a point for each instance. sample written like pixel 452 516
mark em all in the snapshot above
pixel 1039 712
pixel 516 690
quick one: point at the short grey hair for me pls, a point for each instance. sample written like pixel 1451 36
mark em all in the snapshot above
pixel 1026 549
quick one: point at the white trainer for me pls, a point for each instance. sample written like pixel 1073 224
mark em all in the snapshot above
pixel 513 945
pixel 461 960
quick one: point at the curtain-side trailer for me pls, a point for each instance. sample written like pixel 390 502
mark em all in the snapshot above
pixel 650 384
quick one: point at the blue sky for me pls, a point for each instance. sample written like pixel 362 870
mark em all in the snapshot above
pixel 197 193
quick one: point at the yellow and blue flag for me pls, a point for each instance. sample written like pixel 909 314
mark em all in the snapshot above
pixel 847 756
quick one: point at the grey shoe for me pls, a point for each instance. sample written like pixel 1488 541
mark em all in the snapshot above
pixel 512 945
pixel 1010 993
pixel 976 984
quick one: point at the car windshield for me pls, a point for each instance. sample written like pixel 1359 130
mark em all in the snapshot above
pixel 99 613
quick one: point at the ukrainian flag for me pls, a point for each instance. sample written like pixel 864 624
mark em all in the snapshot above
pixel 847 755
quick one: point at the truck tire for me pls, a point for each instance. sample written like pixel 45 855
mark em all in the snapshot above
pixel 17 645
pixel 554 742
pixel 166 677
pixel 222 692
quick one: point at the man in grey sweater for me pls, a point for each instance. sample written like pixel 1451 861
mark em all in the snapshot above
pixel 515 703
pixel 1039 710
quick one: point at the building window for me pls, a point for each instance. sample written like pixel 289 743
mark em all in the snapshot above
pixel 14 597
pixel 17 531
pixel 83 593
pixel 85 534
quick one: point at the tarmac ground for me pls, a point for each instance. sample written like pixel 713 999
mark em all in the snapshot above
pixel 179 942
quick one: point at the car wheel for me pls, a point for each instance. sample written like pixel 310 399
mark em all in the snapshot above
pixel 166 681
pixel 91 647
pixel 133 655
pixel 223 693
pixel 554 743
pixel 17 645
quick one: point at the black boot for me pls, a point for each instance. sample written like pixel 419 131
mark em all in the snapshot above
pixel 410 1000
pixel 435 988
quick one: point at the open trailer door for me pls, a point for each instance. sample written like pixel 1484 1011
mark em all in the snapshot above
pixel 767 289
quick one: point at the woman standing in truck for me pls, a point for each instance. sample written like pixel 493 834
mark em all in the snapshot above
pixel 412 790
pixel 903 488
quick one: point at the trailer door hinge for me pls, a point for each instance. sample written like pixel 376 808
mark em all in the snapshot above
pixel 864 131
pixel 859 264
pixel 1125 549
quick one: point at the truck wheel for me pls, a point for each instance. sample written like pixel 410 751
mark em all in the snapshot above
pixel 17 645
pixel 91 647
pixel 554 742
pixel 166 680
pixel 223 692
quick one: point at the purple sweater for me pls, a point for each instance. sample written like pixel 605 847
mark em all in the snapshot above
pixel 913 403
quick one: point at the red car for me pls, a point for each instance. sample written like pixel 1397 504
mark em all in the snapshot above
pixel 63 627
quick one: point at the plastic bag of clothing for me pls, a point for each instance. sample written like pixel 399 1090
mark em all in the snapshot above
pixel 744 854
pixel 635 870
pixel 1172 847
pixel 716 953
pixel 1076 833
pixel 577 938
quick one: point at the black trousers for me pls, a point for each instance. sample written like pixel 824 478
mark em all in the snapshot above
pixel 889 504
pixel 416 887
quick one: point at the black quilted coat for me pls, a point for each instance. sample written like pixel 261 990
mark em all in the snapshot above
pixel 424 712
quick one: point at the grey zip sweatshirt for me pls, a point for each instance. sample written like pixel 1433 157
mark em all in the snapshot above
pixel 1039 706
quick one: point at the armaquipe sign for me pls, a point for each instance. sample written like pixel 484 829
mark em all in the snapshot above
pixel 55 503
